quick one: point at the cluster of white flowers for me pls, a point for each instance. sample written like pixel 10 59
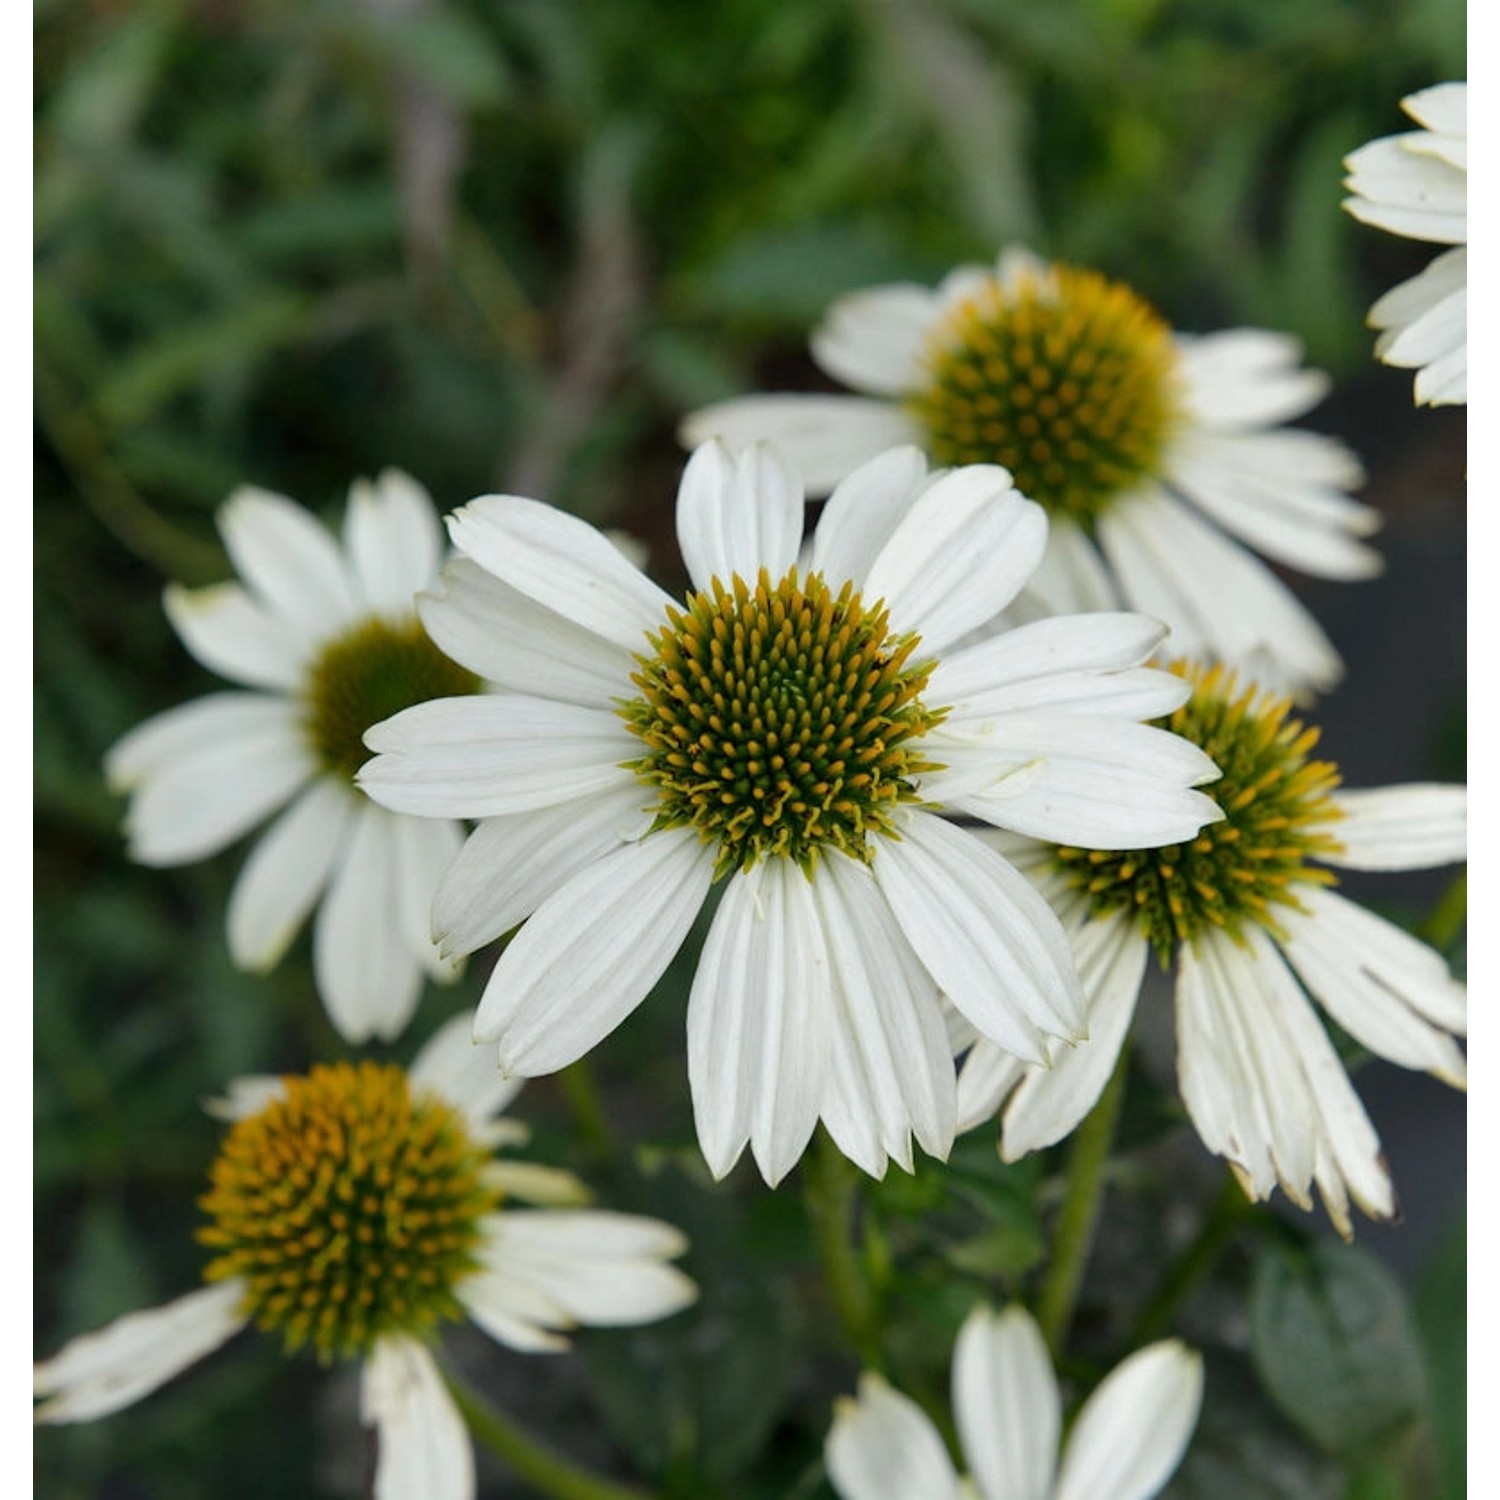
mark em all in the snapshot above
pixel 909 758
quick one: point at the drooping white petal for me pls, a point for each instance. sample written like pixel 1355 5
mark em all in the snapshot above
pixel 462 1073
pixel 986 1080
pixel 1006 1404
pixel 758 1022
pixel 1133 1431
pixel 510 865
pixel 958 556
pixel 822 437
pixel 892 1071
pixel 986 936
pixel 289 561
pixel 1246 377
pixel 518 644
pixel 1051 1102
pixel 488 755
pixel 1412 827
pixel 232 635
pixel 204 798
pixel 368 975
pixel 873 339
pixel 562 563
pixel 425 848
pixel 425 1452
pixel 738 514
pixel 285 874
pixel 1097 782
pixel 1071 577
pixel 394 542
pixel 1409 300
pixel 883 1447
pixel 591 952
pixel 863 512
pixel 102 1372
pixel 593 1267
pixel 1436 332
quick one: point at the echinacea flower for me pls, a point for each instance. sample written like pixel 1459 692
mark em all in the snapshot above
pixel 1417 185
pixel 1125 1443
pixel 325 641
pixel 354 1210
pixel 788 730
pixel 1154 454
pixel 1248 912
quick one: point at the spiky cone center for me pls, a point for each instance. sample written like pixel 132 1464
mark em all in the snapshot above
pixel 780 720
pixel 350 1208
pixel 365 676
pixel 1066 378
pixel 1277 810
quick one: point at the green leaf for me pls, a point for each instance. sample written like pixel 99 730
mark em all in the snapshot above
pixel 1333 1341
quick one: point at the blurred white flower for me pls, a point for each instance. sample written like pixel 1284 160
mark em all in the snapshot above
pixel 354 1210
pixel 1417 184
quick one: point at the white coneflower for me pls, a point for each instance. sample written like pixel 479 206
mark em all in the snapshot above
pixel 1155 455
pixel 326 641
pixel 1417 185
pixel 1248 912
pixel 790 731
pixel 354 1210
pixel 1125 1443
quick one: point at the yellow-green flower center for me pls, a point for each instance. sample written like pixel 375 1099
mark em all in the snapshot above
pixel 350 1208
pixel 780 719
pixel 1067 379
pixel 1276 807
pixel 366 675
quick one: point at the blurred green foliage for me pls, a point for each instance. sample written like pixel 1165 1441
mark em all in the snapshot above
pixel 290 242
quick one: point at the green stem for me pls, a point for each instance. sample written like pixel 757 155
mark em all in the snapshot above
pixel 830 1192
pixel 529 1459
pixel 1092 1143
pixel 1219 1226
pixel 1447 918
pixel 582 1094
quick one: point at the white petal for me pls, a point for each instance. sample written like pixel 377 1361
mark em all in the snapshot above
pixel 1403 185
pixel 394 541
pixel 246 1096
pixel 516 643
pixel 822 437
pixel 959 555
pixel 510 865
pixel 1443 107
pixel 986 1080
pixel 102 1372
pixel 863 512
pixel 1445 382
pixel 873 339
pixel 1438 331
pixel 892 1068
pixel 758 1022
pixel 232 635
pixel 592 951
pixel 425 1452
pixel 562 563
pixel 367 974
pixel 531 1182
pixel 1007 1405
pixel 285 874
pixel 289 561
pixel 204 798
pixel 596 1268
pixel 1412 827
pixel 1051 1102
pixel 986 936
pixel 1098 782
pixel 425 849
pixel 487 755
pixel 464 1074
pixel 1246 377
pixel 1071 577
pixel 737 515
pixel 1132 1432
pixel 883 1447
pixel 193 729
pixel 1409 300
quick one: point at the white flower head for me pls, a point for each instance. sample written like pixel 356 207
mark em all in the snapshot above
pixel 1126 1443
pixel 1249 914
pixel 324 640
pixel 790 732
pixel 352 1211
pixel 1417 185
pixel 1154 455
